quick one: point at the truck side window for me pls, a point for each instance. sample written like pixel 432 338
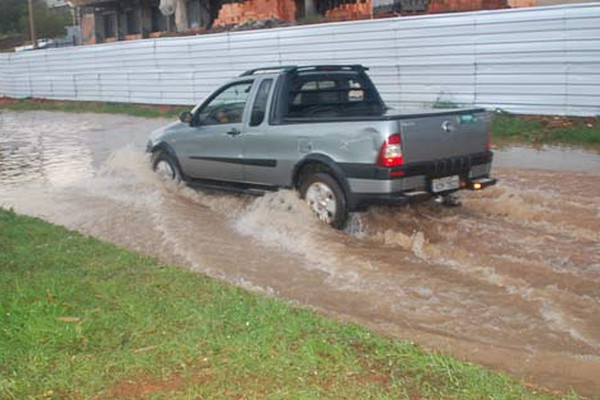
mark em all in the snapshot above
pixel 227 107
pixel 259 107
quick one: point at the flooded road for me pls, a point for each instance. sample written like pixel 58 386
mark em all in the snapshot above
pixel 510 280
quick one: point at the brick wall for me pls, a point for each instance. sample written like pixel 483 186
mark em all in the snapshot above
pixel 522 3
pixel 255 10
pixel 350 11
pixel 441 6
pixel 363 8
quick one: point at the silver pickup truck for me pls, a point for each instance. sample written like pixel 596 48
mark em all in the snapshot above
pixel 324 131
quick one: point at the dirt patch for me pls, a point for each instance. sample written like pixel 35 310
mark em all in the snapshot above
pixel 6 101
pixel 141 388
pixel 557 122
pixel 145 386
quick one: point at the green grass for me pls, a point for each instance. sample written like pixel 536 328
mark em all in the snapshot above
pixel 137 110
pixel 80 318
pixel 547 130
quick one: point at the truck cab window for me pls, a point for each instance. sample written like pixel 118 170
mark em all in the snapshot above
pixel 259 107
pixel 331 95
pixel 227 107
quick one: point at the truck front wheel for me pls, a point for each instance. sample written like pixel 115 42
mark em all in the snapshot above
pixel 326 199
pixel 165 166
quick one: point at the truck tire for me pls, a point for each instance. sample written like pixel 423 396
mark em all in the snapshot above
pixel 326 199
pixel 166 166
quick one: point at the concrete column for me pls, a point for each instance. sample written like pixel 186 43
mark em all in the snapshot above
pixel 145 18
pixel 88 28
pixel 310 7
pixel 181 18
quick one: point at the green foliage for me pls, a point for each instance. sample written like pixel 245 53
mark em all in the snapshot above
pixel 547 129
pixel 509 126
pixel 10 16
pixel 580 132
pixel 84 319
pixel 14 18
pixel 49 23
pixel 443 101
pixel 445 104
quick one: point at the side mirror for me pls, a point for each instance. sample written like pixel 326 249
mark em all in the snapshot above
pixel 186 117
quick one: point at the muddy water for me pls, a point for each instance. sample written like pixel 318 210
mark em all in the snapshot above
pixel 510 280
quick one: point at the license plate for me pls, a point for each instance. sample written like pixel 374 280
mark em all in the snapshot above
pixel 445 183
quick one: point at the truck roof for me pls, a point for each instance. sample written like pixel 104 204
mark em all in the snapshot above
pixel 281 69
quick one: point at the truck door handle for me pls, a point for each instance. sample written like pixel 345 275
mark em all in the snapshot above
pixel 234 132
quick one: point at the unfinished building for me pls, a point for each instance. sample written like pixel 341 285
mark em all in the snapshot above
pixel 111 20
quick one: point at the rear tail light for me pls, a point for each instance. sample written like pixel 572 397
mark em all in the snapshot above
pixel 488 143
pixel 391 152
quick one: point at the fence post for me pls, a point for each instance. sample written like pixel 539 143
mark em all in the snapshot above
pixel 75 86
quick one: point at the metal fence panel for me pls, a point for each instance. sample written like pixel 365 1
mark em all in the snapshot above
pixel 542 60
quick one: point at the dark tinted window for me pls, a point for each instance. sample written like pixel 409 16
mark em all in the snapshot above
pixel 109 25
pixel 259 107
pixel 332 95
pixel 131 17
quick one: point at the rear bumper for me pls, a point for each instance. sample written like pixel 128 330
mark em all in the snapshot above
pixel 370 184
pixel 361 200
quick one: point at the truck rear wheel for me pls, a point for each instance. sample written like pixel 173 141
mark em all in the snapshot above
pixel 326 199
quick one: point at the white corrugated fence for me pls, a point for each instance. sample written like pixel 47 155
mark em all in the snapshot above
pixel 543 60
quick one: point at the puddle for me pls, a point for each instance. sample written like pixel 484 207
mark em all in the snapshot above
pixel 510 280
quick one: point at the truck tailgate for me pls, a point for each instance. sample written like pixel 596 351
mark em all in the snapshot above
pixel 434 136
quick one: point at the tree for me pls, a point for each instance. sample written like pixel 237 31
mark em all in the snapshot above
pixel 49 23
pixel 10 17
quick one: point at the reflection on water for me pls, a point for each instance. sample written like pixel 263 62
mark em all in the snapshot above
pixel 38 146
pixel 31 155
pixel 510 280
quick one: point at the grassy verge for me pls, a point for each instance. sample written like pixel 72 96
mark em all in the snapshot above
pixel 505 128
pixel 137 110
pixel 547 129
pixel 80 318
